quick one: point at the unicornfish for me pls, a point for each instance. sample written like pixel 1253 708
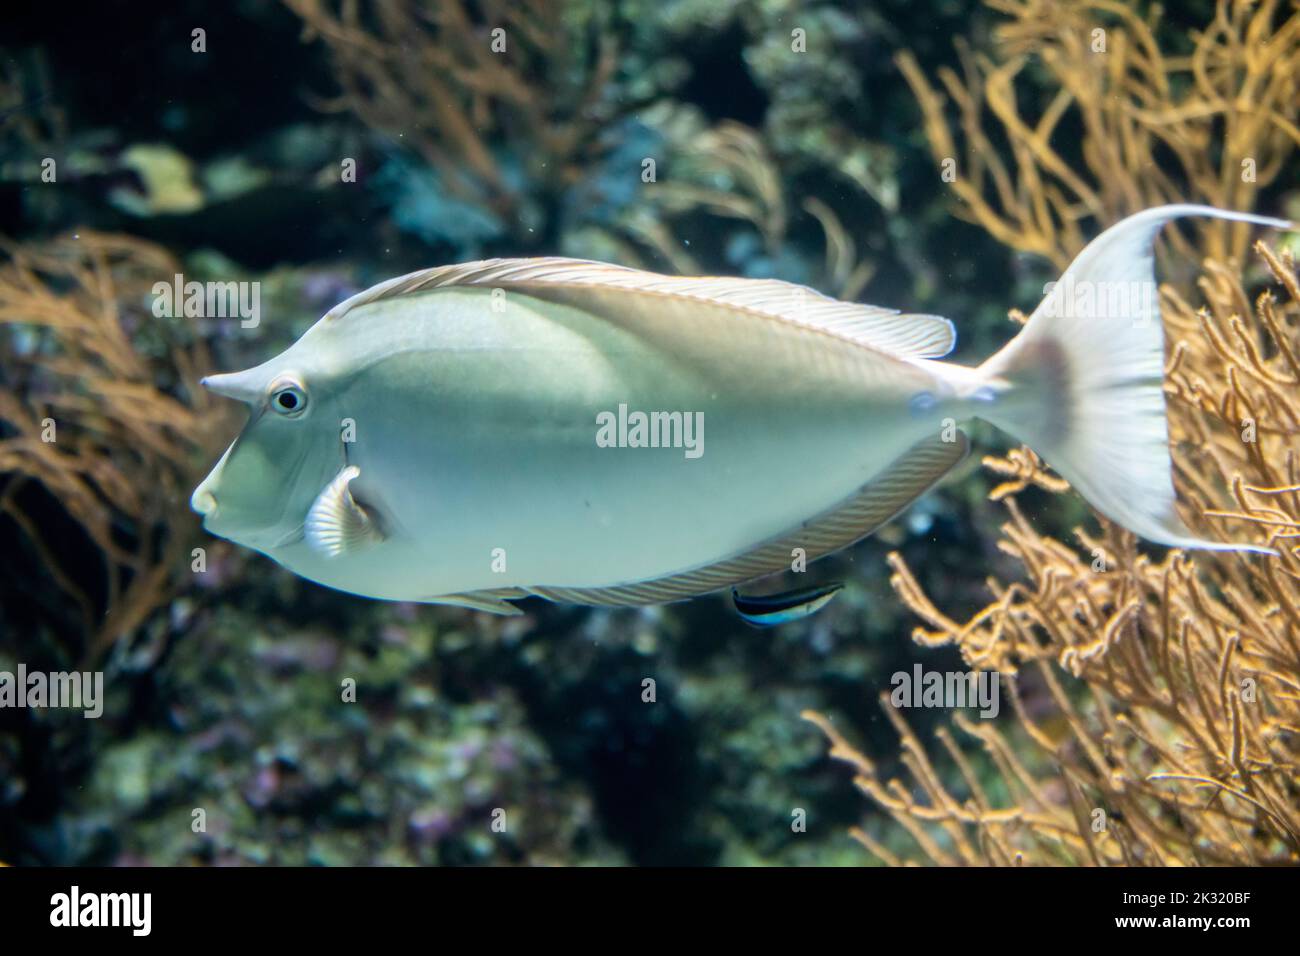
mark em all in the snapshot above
pixel 480 433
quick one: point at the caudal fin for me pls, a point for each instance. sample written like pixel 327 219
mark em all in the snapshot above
pixel 1083 384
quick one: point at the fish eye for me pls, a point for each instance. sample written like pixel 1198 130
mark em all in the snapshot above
pixel 288 399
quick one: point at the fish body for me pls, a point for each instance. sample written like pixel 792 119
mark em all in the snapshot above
pixel 583 432
pixel 476 435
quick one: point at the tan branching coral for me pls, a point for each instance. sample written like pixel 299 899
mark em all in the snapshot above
pixel 453 79
pixel 1156 701
pixel 98 405
pixel 1174 685
pixel 1215 125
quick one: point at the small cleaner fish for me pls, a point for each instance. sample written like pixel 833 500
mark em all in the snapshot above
pixel 480 433
pixel 771 610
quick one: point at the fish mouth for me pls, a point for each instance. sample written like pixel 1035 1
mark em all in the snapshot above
pixel 203 502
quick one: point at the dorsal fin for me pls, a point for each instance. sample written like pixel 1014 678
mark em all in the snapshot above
pixel 887 330
pixel 909 477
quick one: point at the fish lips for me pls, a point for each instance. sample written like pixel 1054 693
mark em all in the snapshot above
pixel 204 500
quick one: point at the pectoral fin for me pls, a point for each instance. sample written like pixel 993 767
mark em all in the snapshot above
pixel 336 524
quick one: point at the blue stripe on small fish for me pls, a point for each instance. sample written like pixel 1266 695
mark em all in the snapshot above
pixel 773 609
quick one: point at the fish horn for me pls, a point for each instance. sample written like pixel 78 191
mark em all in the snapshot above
pixel 242 386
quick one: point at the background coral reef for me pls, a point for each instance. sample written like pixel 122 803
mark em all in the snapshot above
pixel 817 167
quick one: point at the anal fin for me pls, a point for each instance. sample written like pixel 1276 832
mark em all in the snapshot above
pixel 487 601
